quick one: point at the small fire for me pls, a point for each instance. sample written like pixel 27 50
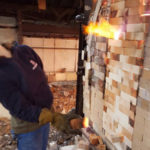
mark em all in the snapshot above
pixel 85 122
pixel 102 29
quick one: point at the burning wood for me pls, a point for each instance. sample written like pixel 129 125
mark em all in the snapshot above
pixel 103 28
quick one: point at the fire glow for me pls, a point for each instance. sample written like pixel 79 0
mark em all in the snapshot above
pixel 85 122
pixel 103 29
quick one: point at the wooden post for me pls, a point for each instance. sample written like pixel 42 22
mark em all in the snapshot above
pixel 42 4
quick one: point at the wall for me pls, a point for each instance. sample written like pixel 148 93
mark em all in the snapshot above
pixel 111 91
pixel 59 56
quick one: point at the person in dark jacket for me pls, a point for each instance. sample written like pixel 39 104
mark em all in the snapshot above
pixel 25 93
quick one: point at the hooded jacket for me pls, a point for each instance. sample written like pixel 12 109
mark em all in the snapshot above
pixel 24 90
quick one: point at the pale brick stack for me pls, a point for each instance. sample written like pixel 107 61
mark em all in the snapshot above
pixel 141 136
pixel 126 59
pixel 122 79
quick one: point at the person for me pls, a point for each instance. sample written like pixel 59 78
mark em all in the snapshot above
pixel 25 93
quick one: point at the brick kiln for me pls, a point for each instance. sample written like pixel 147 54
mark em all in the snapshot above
pixel 117 71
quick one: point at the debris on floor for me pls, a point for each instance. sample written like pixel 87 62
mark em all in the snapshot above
pixel 57 140
pixel 6 140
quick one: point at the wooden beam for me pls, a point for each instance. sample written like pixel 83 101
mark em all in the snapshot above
pixel 49 29
pixel 42 4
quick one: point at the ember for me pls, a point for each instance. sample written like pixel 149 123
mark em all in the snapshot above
pixel 103 28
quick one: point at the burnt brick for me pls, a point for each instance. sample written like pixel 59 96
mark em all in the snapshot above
pixel 115 56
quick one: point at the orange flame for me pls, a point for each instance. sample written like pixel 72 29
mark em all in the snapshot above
pixel 85 122
pixel 102 29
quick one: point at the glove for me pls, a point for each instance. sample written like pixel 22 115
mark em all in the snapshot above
pixel 60 121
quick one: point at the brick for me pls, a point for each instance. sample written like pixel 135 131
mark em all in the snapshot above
pixel 135 19
pixel 144 93
pixel 131 4
pixel 117 139
pixel 132 60
pixel 63 43
pixel 146 74
pixel 71 76
pixel 139 61
pixel 60 76
pixel 124 109
pixel 135 36
pixel 115 77
pixel 126 133
pixel 94 139
pixel 117 50
pixel 115 56
pixel 147 43
pixel 51 78
pixel 115 43
pixel 49 42
pixel 116 21
pixel 114 83
pixel 128 97
pixel 133 11
pixel 48 60
pixel 37 42
pixel 133 52
pixel 130 44
pixel 118 5
pixel 137 27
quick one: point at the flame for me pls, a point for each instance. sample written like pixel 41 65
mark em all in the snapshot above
pixel 102 29
pixel 85 122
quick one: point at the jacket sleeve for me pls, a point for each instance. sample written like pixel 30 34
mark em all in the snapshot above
pixel 14 100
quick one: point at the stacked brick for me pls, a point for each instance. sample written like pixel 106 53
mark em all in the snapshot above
pixel 141 136
pixel 118 96
pixel 123 72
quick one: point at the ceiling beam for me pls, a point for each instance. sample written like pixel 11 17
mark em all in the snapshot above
pixel 29 28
